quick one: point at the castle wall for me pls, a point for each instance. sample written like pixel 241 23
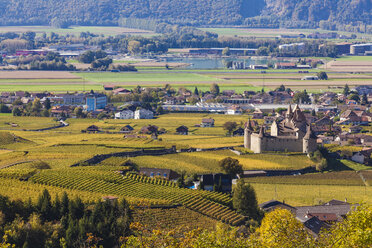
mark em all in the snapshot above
pixel 259 145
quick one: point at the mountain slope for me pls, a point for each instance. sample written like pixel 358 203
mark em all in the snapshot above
pixel 107 12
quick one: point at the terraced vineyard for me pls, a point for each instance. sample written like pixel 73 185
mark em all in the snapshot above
pixel 140 190
pixel 179 219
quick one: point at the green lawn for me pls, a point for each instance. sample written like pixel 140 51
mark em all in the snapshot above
pixel 145 77
pixel 76 30
pixel 50 87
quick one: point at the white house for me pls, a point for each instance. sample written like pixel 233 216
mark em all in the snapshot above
pixel 143 114
pixel 126 114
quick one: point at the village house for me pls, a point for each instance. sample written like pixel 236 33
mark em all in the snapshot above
pixel 234 110
pixel 149 129
pixel 126 129
pixel 211 181
pixel 257 114
pixel 207 122
pixel 121 91
pixel 314 218
pixel 362 157
pixel 92 129
pixel 355 129
pixel 109 87
pixel 125 114
pixel 283 65
pixel 183 130
pixel 143 114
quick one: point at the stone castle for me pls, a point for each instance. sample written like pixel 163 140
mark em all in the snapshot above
pixel 291 134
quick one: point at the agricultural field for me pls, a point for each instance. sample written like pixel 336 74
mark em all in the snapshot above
pixel 239 81
pixel 177 219
pixel 76 30
pixel 23 171
pixel 207 162
pixel 266 33
pixel 302 195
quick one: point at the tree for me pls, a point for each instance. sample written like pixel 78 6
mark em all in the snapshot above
pixel 215 89
pixel 280 228
pixel 280 88
pixel 44 205
pixel 231 166
pixel 245 201
pixel 134 46
pixel 226 51
pixel 4 108
pixel 36 106
pixel 322 75
pixel 230 126
pixel 353 231
pixel 354 97
pixel 78 111
pixel 16 112
pixel 346 91
pixel 196 91
pixel 47 104
pixel 301 97
pixel 364 100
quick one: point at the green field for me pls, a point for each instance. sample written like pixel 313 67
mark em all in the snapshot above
pixel 76 30
pixel 272 33
pixel 145 77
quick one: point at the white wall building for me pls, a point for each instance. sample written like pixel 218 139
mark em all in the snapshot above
pixel 126 114
pixel 143 114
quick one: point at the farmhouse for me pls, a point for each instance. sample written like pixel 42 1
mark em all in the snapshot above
pixel 293 134
pixel 207 122
pixel 126 129
pixel 92 129
pixel 183 130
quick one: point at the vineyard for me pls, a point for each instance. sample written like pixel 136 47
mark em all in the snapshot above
pixel 177 218
pixel 140 190
pixel 347 178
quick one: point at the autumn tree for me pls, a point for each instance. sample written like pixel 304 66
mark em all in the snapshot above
pixel 215 89
pixel 231 166
pixel 230 126
pixel 245 201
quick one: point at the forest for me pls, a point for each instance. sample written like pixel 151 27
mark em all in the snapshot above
pixel 268 13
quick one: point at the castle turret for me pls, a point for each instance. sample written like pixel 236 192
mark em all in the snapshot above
pixel 309 141
pixel 260 140
pixel 274 129
pixel 288 114
pixel 248 130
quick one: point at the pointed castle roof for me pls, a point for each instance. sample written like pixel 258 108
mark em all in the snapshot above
pixel 309 133
pixel 261 134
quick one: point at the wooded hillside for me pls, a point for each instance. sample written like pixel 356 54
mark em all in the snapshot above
pixel 108 12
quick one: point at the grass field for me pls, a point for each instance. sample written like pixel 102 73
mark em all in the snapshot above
pixel 136 78
pixel 272 33
pixel 76 30
pixel 300 195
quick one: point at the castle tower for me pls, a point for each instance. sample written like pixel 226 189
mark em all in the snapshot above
pixel 274 131
pixel 260 140
pixel 309 141
pixel 248 130
pixel 288 114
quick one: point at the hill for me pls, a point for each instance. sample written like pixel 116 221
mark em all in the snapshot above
pixel 108 12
